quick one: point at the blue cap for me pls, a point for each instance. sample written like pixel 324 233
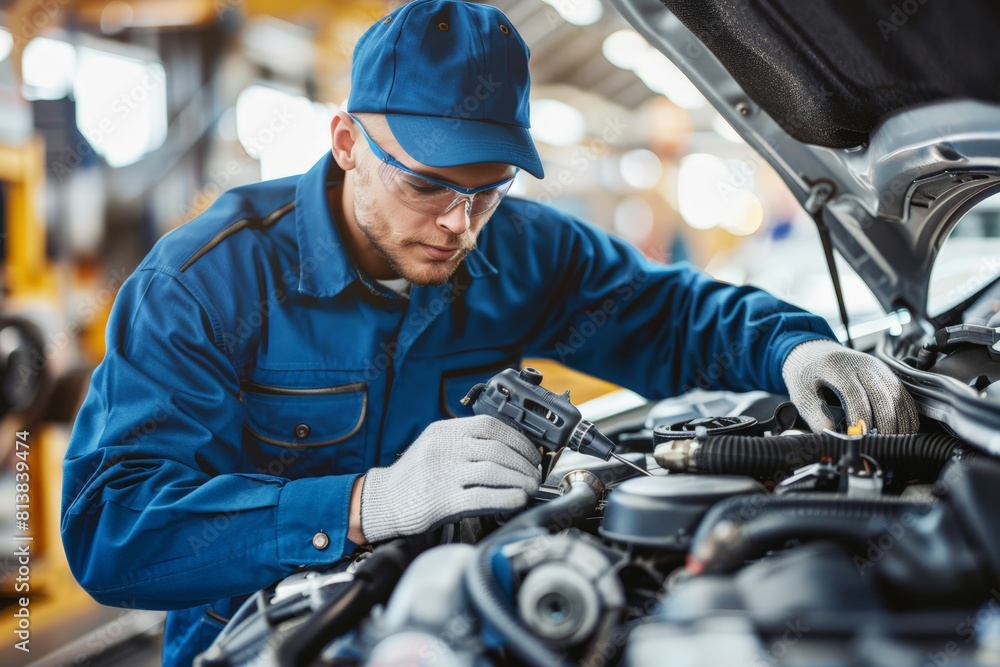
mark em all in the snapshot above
pixel 452 80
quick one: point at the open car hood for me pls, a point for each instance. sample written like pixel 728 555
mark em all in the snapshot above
pixel 882 118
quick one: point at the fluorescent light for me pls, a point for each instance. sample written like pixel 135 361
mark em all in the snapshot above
pixel 624 48
pixel 286 133
pixel 662 76
pixel 700 179
pixel 627 49
pixel 557 123
pixel 641 168
pixel 708 197
pixel 121 105
pixel 6 44
pixel 578 12
pixel 47 68
pixel 282 46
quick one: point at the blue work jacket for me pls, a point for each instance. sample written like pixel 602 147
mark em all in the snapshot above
pixel 252 373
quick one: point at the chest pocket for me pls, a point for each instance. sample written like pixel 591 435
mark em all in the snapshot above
pixel 304 418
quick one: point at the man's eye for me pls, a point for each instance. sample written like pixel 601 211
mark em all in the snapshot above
pixel 421 186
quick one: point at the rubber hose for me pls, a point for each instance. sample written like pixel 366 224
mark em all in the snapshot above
pixel 742 528
pixel 486 594
pixel 374 580
pixel 921 454
pixel 604 638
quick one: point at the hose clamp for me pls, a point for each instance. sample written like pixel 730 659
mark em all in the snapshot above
pixel 580 477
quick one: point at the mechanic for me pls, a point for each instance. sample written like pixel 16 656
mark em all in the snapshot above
pixel 283 373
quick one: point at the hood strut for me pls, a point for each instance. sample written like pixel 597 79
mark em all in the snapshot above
pixel 820 193
pixel 824 235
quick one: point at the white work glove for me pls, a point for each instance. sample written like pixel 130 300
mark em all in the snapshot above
pixel 866 387
pixel 471 466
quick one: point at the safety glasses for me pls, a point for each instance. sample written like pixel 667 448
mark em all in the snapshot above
pixel 428 195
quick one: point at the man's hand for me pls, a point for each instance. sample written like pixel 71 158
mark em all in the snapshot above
pixel 471 466
pixel 866 387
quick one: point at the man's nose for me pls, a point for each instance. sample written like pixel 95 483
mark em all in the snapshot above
pixel 456 220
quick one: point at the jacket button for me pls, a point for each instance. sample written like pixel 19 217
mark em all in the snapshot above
pixel 321 540
pixel 302 431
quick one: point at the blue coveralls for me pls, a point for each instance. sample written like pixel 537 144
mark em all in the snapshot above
pixel 252 374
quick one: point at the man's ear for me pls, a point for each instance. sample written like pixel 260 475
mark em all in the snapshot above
pixel 343 134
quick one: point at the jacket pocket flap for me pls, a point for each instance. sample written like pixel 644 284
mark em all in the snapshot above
pixel 304 417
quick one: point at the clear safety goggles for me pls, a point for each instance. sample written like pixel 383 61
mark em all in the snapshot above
pixel 429 195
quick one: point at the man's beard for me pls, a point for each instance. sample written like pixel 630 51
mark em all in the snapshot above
pixel 375 227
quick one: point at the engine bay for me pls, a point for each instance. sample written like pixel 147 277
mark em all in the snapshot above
pixel 743 539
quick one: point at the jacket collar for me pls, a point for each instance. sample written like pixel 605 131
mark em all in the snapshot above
pixel 325 267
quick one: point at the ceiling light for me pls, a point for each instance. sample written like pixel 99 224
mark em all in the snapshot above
pixel 281 46
pixel 48 67
pixel 641 168
pixel 627 49
pixel 121 105
pixel 6 44
pixel 662 76
pixel 624 48
pixel 578 12
pixel 281 130
pixel 699 179
pixel 557 123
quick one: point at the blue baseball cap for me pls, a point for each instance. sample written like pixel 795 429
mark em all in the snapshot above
pixel 451 79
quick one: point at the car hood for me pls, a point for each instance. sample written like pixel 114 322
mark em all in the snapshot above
pixel 882 118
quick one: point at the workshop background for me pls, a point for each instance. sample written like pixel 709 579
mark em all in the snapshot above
pixel 122 120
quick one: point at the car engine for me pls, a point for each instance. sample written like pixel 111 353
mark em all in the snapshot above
pixel 743 540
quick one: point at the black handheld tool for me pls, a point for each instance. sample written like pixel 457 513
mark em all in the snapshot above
pixel 547 419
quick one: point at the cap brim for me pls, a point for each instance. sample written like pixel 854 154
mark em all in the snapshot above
pixel 452 142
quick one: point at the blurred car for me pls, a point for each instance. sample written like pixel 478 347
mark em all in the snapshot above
pixel 753 542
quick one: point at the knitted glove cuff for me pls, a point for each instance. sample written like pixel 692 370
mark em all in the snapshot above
pixel 377 524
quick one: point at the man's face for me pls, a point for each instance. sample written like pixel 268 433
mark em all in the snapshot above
pixel 424 249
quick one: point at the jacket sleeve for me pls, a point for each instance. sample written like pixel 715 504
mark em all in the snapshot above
pixel 152 514
pixel 659 329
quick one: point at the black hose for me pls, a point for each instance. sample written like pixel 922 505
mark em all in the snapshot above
pixel 304 645
pixel 486 594
pixel 607 644
pixel 746 527
pixel 921 455
pixel 373 582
